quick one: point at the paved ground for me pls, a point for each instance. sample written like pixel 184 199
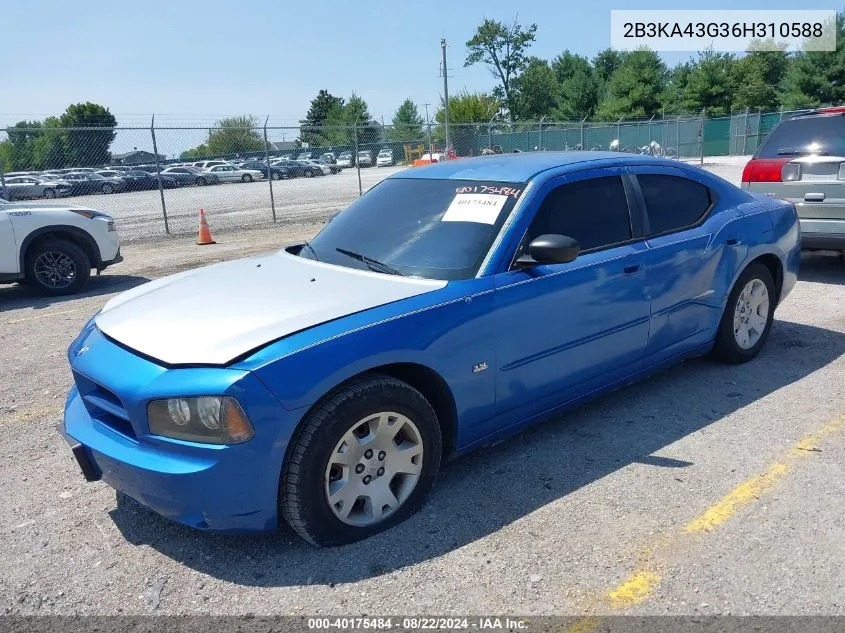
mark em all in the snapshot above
pixel 706 489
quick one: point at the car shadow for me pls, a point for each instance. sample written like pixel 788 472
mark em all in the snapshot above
pixel 541 465
pixel 15 297
pixel 822 267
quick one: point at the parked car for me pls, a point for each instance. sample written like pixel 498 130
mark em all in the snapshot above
pixel 230 173
pixel 137 180
pixel 277 172
pixel 52 248
pixel 334 168
pixel 305 156
pixel 803 160
pixel 208 164
pixel 346 159
pixel 325 170
pixel 338 374
pixel 300 169
pixel 190 176
pixel 23 187
pixel 385 158
pixel 365 158
pixel 86 183
pixel 328 158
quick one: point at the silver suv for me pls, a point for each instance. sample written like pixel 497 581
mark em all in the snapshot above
pixel 803 161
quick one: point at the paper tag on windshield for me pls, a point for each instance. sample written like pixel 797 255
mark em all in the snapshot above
pixel 483 208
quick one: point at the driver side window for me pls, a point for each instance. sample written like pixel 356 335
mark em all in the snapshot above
pixel 593 211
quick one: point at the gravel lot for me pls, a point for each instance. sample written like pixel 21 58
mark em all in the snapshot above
pixel 707 489
pixel 232 206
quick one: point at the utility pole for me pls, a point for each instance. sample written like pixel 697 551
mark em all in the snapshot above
pixel 428 128
pixel 445 94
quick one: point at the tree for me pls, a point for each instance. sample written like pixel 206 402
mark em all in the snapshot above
pixel 676 85
pixel 635 87
pixel 48 149
pixel 818 77
pixel 22 137
pixel 407 123
pixel 536 90
pixel 88 147
pixel 578 87
pixel 319 110
pixel 606 63
pixel 758 79
pixel 229 136
pixel 503 49
pixel 466 112
pixel 709 85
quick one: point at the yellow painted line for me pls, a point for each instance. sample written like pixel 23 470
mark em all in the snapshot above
pixel 752 489
pixel 636 589
pixel 30 414
pixel 41 316
pixel 642 583
pixel 746 492
pixel 810 443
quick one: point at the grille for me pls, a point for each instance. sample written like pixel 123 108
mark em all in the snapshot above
pixel 104 406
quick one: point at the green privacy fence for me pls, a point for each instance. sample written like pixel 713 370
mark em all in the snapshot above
pixel 683 137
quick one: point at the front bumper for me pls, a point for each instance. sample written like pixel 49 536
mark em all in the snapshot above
pixel 210 487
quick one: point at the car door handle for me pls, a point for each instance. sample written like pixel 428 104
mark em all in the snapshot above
pixel 813 197
pixel 631 269
pixel 732 241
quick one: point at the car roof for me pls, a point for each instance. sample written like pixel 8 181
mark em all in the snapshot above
pixel 523 166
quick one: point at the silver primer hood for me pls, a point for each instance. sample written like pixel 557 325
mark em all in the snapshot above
pixel 214 314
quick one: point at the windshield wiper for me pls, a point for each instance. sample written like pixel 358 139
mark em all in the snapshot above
pixel 794 151
pixel 372 264
pixel 307 245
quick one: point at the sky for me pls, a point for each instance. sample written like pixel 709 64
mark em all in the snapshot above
pixel 193 61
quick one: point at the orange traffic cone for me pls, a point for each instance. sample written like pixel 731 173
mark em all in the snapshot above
pixel 204 235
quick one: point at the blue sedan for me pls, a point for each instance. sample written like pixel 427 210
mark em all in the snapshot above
pixel 450 306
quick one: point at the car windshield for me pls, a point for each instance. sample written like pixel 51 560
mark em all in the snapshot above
pixel 820 135
pixel 433 229
pixel 363 153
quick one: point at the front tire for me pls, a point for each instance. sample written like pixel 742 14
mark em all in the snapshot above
pixel 747 320
pixel 107 189
pixel 362 461
pixel 49 194
pixel 246 178
pixel 200 181
pixel 275 175
pixel 57 267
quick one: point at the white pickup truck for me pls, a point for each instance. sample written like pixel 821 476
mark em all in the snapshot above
pixel 53 248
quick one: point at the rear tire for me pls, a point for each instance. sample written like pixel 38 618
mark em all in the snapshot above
pixel 246 178
pixel 200 181
pixel 49 194
pixel 107 189
pixel 748 315
pixel 275 175
pixel 378 405
pixel 57 267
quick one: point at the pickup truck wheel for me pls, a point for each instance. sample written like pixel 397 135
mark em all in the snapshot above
pixel 748 316
pixel 57 267
pixel 361 461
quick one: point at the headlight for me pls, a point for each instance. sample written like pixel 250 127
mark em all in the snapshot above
pixel 206 419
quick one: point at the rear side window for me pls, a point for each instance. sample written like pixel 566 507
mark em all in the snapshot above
pixel 673 202
pixel 806 135
pixel 593 211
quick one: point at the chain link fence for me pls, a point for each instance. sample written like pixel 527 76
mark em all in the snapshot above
pixel 154 180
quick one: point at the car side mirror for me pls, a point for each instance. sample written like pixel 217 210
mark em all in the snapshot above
pixel 550 249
